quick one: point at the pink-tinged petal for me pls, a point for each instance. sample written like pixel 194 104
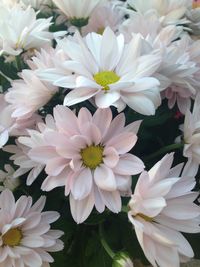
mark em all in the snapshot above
pixel 93 134
pixel 116 127
pixel 100 206
pixel 182 207
pixel 79 95
pixel 102 119
pixel 124 184
pixel 111 157
pixel 33 174
pixel 52 182
pixel 42 154
pixel 104 178
pixel 66 121
pixel 81 209
pixel 32 241
pixel 106 99
pixel 7 202
pixel 84 116
pixel 32 259
pixel 76 164
pixel 185 226
pixel 129 164
pixel 122 142
pixel 133 127
pixel 112 200
pixel 55 166
pixel 82 184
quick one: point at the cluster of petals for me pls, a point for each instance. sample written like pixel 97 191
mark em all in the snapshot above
pixel 180 69
pixel 28 33
pixel 20 151
pixel 109 72
pixel 28 95
pixel 7 179
pixel 191 137
pixel 10 126
pixel 26 238
pixel 89 156
pixel 161 207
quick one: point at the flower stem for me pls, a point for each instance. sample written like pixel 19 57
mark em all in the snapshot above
pixel 164 150
pixel 104 242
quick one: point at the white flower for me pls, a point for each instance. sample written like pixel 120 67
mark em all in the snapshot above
pixel 110 72
pixel 169 11
pixel 191 131
pixel 26 238
pixel 28 94
pixel 181 66
pixel 7 180
pixel 161 206
pixel 28 33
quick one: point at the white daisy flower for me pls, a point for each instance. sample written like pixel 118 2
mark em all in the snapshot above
pixel 26 238
pixel 110 72
pixel 28 33
pixel 162 206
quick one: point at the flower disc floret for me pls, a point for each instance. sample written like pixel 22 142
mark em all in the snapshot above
pixel 12 237
pixel 92 156
pixel 104 78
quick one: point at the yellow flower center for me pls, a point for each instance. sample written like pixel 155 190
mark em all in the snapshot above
pixel 196 4
pixel 92 156
pixel 104 78
pixel 12 237
pixel 144 217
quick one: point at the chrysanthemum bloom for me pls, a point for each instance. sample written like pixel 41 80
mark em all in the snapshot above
pixel 12 126
pixel 110 72
pixel 7 180
pixel 28 33
pixel 77 11
pixel 26 238
pixel 29 94
pixel 94 163
pixel 191 132
pixel 161 206
pixel 169 11
pixel 181 65
pixel 105 15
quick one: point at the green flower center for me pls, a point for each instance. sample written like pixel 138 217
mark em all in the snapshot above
pixel 12 237
pixel 104 78
pixel 92 156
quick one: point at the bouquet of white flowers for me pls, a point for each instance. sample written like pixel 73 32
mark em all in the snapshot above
pixel 99 112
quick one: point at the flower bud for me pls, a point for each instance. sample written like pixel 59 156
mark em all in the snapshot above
pixel 122 259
